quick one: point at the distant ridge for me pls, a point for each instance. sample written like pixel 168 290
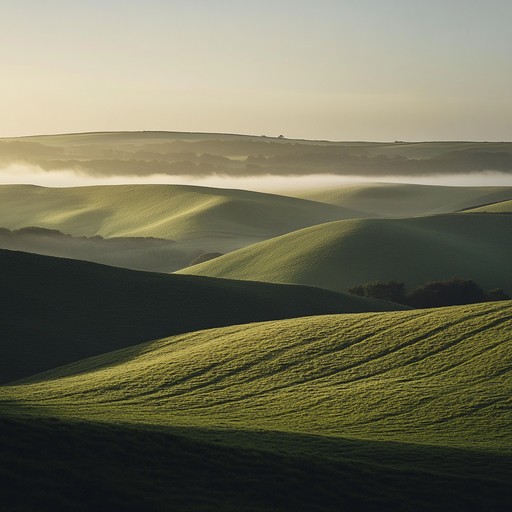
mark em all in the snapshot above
pixel 210 154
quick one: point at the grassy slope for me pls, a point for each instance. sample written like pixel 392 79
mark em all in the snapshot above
pixel 229 218
pixel 406 200
pixel 432 376
pixel 339 255
pixel 396 411
pixel 55 311
pixel 501 207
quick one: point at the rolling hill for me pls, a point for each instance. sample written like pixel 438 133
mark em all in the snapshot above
pixel 403 199
pixel 373 411
pixel 340 255
pixel 55 311
pixel 210 219
pixel 440 375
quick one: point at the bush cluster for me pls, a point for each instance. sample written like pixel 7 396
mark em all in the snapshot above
pixel 434 294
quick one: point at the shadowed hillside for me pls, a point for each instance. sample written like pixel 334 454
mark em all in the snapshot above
pixel 120 468
pixel 55 311
pixel 340 255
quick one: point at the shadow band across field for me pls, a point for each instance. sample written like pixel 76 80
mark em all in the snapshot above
pixel 100 466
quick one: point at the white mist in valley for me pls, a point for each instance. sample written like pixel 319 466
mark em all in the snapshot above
pixel 34 175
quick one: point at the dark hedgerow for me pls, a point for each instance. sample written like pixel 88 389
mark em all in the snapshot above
pixel 434 294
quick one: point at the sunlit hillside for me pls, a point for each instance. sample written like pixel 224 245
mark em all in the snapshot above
pixel 432 376
pixel 204 218
pixel 340 255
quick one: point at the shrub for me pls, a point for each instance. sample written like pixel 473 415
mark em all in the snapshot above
pixel 447 293
pixel 431 295
pixel 393 291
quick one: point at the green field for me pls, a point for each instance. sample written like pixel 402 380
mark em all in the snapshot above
pixel 204 218
pixel 388 411
pixel 339 255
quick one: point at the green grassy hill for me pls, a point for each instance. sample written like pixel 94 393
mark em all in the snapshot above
pixel 55 311
pixel 405 200
pixel 501 207
pixel 210 219
pixel 390 411
pixel 339 255
pixel 440 376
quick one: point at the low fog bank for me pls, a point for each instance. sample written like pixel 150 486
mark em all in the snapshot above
pixel 34 175
pixel 163 157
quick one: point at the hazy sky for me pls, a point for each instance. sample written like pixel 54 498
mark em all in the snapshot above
pixel 340 69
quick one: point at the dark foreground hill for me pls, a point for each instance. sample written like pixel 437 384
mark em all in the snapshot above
pixel 55 311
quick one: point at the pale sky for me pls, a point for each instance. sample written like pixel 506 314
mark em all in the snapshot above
pixel 324 69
